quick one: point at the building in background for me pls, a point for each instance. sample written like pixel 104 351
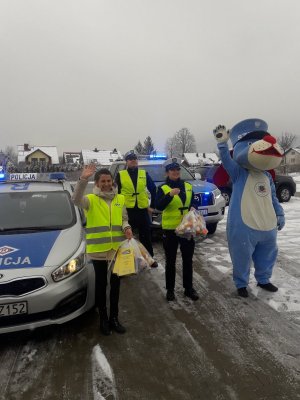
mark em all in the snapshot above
pixel 291 160
pixel 200 159
pixel 39 158
pixel 101 157
pixel 72 157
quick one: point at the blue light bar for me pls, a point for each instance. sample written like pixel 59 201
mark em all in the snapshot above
pixel 158 157
pixel 2 176
pixel 59 176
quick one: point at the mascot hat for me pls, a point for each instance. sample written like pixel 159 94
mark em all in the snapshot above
pixel 247 126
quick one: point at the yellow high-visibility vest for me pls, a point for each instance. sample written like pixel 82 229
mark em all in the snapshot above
pixel 172 215
pixel 104 224
pixel 131 194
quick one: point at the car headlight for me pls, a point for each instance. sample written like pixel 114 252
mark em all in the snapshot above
pixel 217 193
pixel 69 269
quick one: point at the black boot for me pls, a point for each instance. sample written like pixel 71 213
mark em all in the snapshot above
pixel 104 323
pixel 104 327
pixel 170 296
pixel 268 286
pixel 116 326
pixel 192 294
pixel 243 292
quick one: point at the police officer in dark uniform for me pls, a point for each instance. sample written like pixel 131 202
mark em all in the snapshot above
pixel 133 183
pixel 174 198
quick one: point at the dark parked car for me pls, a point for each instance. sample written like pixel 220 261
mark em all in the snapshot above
pixel 284 184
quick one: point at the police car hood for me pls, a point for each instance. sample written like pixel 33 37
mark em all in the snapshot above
pixel 39 249
pixel 202 186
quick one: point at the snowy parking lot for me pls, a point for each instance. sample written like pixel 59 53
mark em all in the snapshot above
pixel 221 347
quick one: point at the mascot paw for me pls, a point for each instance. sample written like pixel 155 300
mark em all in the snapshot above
pixel 280 222
pixel 221 134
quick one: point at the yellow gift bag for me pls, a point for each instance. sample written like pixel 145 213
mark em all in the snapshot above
pixel 124 261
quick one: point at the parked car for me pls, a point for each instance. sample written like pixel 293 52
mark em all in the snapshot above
pixel 209 199
pixel 284 184
pixel 44 277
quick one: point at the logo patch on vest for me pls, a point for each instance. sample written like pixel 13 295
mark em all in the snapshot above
pixel 261 189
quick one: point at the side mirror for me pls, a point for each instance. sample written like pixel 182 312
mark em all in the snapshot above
pixel 197 176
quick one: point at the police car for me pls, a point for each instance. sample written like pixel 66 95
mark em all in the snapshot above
pixel 44 276
pixel 209 200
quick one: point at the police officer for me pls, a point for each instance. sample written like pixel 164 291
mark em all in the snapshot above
pixel 106 227
pixel 133 183
pixel 174 198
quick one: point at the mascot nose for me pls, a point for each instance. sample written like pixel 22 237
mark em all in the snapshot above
pixel 269 139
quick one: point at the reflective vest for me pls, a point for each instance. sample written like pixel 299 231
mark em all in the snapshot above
pixel 175 210
pixel 132 194
pixel 104 224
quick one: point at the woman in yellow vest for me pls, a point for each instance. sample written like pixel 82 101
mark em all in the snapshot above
pixel 174 198
pixel 106 227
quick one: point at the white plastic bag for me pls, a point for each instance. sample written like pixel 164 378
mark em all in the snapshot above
pixel 192 226
pixel 130 258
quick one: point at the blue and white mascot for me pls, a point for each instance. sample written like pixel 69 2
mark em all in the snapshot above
pixel 254 214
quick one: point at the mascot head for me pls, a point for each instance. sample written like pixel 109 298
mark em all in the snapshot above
pixel 253 146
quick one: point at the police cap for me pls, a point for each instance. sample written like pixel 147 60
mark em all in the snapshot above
pixel 130 155
pixel 172 163
pixel 248 128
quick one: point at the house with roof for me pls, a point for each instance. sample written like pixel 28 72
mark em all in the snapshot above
pixel 72 157
pixel 37 155
pixel 200 159
pixel 101 157
pixel 291 159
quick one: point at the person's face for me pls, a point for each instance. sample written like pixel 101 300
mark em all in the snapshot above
pixel 132 162
pixel 105 183
pixel 173 173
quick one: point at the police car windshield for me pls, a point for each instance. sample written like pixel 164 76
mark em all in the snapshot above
pixel 158 173
pixel 40 210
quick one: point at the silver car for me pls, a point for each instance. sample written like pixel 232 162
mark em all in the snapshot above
pixel 208 197
pixel 44 275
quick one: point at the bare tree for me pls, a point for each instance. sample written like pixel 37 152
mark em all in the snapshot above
pixel 182 142
pixel 286 141
pixel 11 154
pixel 170 146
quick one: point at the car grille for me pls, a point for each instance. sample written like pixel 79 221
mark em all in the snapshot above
pixel 21 286
pixel 67 306
pixel 204 199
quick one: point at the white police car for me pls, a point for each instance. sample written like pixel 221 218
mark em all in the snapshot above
pixel 44 276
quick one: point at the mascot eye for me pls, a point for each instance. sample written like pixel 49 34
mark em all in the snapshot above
pixel 249 143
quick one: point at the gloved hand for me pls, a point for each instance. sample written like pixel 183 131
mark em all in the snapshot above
pixel 221 134
pixel 280 222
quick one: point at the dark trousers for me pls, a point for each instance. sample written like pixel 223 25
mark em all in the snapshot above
pixel 100 267
pixel 139 219
pixel 170 243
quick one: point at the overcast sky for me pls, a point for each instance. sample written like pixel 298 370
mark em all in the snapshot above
pixel 107 73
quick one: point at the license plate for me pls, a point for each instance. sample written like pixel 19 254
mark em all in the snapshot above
pixel 204 211
pixel 9 309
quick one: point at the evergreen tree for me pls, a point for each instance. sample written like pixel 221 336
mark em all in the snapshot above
pixel 139 148
pixel 148 145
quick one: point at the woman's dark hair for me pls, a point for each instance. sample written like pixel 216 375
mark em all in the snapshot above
pixel 102 171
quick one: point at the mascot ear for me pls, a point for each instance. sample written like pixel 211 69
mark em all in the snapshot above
pixel 221 134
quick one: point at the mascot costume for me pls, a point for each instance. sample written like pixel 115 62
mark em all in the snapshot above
pixel 254 214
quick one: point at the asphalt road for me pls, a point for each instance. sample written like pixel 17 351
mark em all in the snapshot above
pixel 221 347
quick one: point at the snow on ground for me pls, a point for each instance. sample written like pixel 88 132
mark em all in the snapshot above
pixel 286 274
